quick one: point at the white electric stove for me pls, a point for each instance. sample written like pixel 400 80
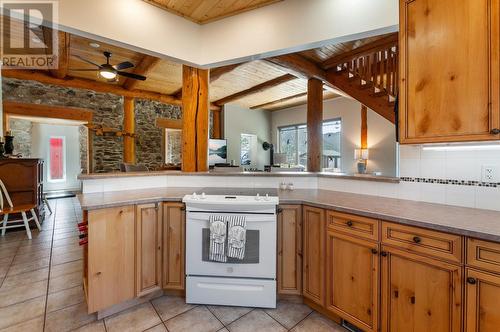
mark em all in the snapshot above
pixel 249 282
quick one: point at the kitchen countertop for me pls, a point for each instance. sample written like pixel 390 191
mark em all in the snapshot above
pixel 478 223
pixel 363 177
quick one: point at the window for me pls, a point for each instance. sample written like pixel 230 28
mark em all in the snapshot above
pixel 292 142
pixel 248 146
pixel 57 159
pixel 173 146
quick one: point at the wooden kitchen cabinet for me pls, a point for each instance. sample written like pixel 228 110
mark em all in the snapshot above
pixel 148 248
pixel 290 250
pixel 419 294
pixel 174 233
pixel 449 70
pixel 313 276
pixel 352 282
pixel 111 257
pixel 482 294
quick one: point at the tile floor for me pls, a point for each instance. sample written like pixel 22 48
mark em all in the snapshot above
pixel 41 290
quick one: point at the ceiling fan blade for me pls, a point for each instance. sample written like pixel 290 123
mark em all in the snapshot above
pixel 123 65
pixel 88 61
pixel 132 75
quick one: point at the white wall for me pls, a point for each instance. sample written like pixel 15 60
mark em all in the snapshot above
pixel 381 133
pixel 239 120
pixel 40 149
pixel 281 27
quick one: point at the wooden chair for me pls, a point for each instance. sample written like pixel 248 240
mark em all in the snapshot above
pixel 23 209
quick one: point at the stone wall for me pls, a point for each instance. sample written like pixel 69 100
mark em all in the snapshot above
pixel 108 111
pixel 21 130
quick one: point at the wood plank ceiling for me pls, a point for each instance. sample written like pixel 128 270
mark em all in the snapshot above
pixel 205 11
pixel 257 84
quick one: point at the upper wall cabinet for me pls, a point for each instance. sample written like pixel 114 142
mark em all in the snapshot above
pixel 449 58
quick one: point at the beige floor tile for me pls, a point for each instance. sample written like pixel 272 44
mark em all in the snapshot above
pixel 65 298
pixel 66 268
pixel 227 314
pixel 26 278
pixel 30 248
pixel 318 323
pixel 5 261
pixel 66 235
pixel 31 257
pixel 157 328
pixel 3 270
pixel 225 330
pixel 256 320
pixel 22 312
pixel 289 314
pixel 65 242
pixel 138 318
pixel 68 228
pixel 67 257
pixel 27 267
pixel 199 319
pixel 170 306
pixel 92 327
pixel 32 325
pixel 69 318
pixel 8 252
pixel 13 295
pixel 67 248
pixel 65 281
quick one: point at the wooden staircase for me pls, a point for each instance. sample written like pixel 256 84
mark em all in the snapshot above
pixel 370 76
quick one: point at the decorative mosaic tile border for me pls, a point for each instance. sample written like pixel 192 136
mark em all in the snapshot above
pixel 453 182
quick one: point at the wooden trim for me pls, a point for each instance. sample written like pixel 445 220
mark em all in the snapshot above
pixel 47 111
pixel 144 67
pixel 366 49
pixel 168 123
pixel 195 119
pixel 299 66
pixel 217 129
pixel 81 83
pixel 364 127
pixel 484 255
pixel 314 124
pixel 174 246
pixel 255 89
pixel 129 128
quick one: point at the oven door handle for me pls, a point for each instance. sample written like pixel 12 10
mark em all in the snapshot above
pixel 204 217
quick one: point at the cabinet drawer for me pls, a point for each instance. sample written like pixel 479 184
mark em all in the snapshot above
pixel 483 254
pixel 427 242
pixel 353 225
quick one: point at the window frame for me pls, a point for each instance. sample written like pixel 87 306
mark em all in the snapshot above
pixel 49 160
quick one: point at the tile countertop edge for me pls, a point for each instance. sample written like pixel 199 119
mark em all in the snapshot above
pixel 479 232
pixel 367 177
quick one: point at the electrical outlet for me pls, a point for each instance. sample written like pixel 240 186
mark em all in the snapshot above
pixel 489 173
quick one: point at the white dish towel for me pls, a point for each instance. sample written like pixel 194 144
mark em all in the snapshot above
pixel 218 233
pixel 237 234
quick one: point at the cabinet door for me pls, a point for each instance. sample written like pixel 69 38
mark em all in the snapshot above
pixel 111 257
pixel 449 64
pixel 483 294
pixel 174 230
pixel 352 283
pixel 314 254
pixel 148 249
pixel 290 250
pixel 420 294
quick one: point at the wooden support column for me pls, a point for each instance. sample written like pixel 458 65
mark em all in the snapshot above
pixel 364 127
pixel 129 128
pixel 314 124
pixel 217 130
pixel 195 119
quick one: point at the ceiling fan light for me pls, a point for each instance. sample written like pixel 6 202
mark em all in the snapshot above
pixel 107 74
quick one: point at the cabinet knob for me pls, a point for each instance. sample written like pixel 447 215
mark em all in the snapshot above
pixel 416 239
pixel 279 210
pixel 374 251
pixel 383 253
pixel 98 273
pixel 349 223
pixel 495 131
pixel 471 280
pixel 412 299
pixel 183 208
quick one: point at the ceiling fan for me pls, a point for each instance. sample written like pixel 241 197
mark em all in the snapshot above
pixel 110 72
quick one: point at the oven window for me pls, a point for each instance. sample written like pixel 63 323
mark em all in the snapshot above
pixel 251 248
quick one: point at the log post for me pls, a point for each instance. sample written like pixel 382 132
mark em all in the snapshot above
pixel 195 119
pixel 314 124
pixel 217 130
pixel 128 128
pixel 364 127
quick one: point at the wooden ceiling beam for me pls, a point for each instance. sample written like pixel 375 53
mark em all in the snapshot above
pixel 299 66
pixel 63 47
pixel 47 111
pixel 216 73
pixel 144 67
pixel 82 83
pixel 366 49
pixel 278 101
pixel 255 89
